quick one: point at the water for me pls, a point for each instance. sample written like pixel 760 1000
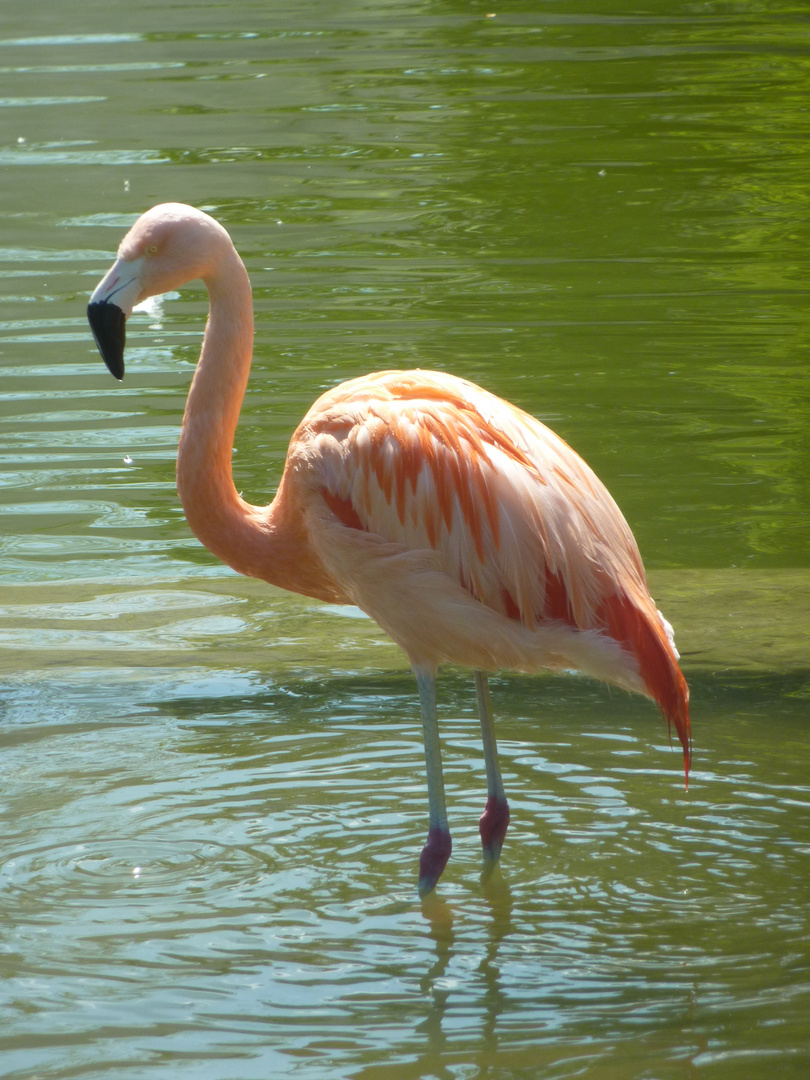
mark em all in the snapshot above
pixel 213 792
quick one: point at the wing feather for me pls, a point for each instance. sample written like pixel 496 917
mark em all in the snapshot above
pixel 428 463
pixel 522 521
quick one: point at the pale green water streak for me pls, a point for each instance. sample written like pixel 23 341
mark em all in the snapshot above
pixel 212 793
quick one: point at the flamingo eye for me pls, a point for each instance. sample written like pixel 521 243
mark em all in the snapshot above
pixel 152 249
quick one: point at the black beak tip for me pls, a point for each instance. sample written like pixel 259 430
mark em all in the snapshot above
pixel 107 321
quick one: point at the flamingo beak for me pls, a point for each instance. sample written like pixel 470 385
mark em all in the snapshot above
pixel 108 323
pixel 110 306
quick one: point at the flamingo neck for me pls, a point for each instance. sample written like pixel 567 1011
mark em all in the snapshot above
pixel 267 542
pixel 228 526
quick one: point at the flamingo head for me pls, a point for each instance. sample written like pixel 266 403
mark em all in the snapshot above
pixel 167 246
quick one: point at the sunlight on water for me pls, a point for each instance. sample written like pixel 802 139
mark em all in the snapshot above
pixel 213 793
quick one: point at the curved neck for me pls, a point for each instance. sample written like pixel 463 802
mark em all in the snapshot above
pixel 214 510
pixel 268 542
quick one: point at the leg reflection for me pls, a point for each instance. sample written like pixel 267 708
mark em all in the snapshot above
pixel 498 896
pixel 440 917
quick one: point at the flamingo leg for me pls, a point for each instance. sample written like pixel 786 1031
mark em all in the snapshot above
pixel 437 849
pixel 494 821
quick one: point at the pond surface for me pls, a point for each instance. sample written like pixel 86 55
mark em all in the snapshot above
pixel 212 793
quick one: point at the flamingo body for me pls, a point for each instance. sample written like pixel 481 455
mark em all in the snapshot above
pixel 464 527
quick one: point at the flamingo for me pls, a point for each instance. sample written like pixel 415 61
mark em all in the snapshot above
pixel 469 531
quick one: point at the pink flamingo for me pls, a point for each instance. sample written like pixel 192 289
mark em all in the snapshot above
pixel 470 532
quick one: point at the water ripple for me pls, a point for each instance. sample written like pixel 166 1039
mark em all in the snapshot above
pixel 123 871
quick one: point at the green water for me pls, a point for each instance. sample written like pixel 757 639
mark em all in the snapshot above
pixel 212 794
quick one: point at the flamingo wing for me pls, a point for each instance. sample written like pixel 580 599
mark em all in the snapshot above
pixel 456 483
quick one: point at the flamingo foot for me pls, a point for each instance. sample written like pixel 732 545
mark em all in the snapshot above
pixel 492 826
pixel 434 858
